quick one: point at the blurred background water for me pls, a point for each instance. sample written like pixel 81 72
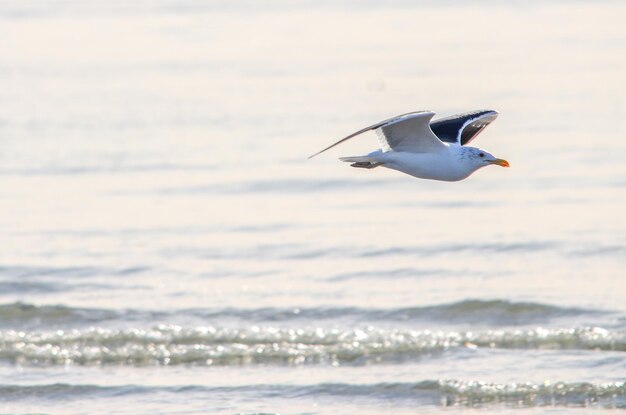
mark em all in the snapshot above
pixel 167 247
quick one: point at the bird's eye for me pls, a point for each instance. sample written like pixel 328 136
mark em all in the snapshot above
pixel 481 154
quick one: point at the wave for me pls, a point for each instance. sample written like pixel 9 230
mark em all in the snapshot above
pixel 20 272
pixel 455 392
pixel 495 312
pixel 28 314
pixel 501 247
pixel 299 251
pixel 487 312
pixel 445 392
pixel 290 251
pixel 72 170
pixel 275 186
pixel 215 346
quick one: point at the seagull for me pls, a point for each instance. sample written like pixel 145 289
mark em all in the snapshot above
pixel 414 144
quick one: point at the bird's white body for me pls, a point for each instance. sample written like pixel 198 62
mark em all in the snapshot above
pixel 444 164
pixel 437 150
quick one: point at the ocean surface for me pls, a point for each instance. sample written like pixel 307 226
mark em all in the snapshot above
pixel 167 248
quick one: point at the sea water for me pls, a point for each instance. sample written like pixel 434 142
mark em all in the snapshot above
pixel 167 248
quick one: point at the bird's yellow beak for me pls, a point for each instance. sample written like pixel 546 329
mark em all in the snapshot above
pixel 501 162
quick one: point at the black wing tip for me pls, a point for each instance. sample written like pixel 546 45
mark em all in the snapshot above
pixel 494 112
pixel 469 115
pixel 480 113
pixel 483 113
pixel 457 128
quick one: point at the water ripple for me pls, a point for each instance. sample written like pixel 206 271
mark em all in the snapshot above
pixel 443 392
pixel 489 312
pixel 209 346
pixel 18 271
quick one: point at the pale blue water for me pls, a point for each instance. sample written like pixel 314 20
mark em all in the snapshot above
pixel 167 248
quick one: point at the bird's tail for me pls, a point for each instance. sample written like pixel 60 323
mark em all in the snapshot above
pixel 364 162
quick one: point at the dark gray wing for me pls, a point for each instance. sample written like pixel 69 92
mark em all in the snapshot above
pixel 462 128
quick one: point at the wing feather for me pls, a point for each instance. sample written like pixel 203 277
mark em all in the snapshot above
pixel 406 132
pixel 410 133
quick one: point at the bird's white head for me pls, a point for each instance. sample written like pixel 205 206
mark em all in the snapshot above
pixel 481 158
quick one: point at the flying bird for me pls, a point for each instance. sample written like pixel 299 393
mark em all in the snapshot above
pixel 414 144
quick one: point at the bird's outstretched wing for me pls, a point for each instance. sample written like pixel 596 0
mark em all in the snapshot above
pixel 462 128
pixel 407 132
